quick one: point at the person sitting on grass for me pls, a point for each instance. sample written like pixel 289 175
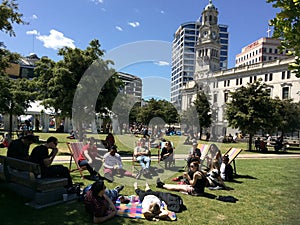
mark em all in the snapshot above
pixel 226 170
pixel 99 202
pixel 214 180
pixel 113 164
pixel 195 178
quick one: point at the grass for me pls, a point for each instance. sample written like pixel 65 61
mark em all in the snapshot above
pixel 268 192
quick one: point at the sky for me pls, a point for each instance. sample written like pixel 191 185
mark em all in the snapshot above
pixel 136 34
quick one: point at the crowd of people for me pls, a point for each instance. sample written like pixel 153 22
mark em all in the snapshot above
pixel 99 201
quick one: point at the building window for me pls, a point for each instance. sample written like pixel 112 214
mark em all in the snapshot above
pixel 225 96
pixel 266 77
pixel 288 75
pixel 237 81
pixel 271 77
pixel 250 79
pixel 241 81
pixel 283 75
pixel 224 83
pixel 255 78
pixel 215 98
pixel 285 92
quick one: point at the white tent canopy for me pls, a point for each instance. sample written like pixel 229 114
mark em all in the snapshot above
pixel 37 108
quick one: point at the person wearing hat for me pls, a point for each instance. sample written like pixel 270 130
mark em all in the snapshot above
pixel 113 164
pixel 99 201
pixel 194 154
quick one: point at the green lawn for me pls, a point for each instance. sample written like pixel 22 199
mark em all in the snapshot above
pixel 268 191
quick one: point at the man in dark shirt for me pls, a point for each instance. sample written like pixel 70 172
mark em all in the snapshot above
pixel 40 155
pixel 19 148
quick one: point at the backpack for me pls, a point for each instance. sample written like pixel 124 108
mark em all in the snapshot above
pixel 174 202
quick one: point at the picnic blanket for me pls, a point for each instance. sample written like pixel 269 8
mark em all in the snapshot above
pixel 134 209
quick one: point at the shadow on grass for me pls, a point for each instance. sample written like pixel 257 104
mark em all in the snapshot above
pixel 240 176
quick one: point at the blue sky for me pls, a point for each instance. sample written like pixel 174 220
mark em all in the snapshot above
pixel 119 23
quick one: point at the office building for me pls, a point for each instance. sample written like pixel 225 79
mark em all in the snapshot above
pixel 184 57
pixel 262 50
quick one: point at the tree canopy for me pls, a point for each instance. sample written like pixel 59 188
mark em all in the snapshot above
pixel 58 81
pixel 203 109
pixel 157 109
pixel 287 26
pixel 10 15
pixel 252 109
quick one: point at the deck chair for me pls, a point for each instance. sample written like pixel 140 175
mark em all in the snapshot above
pixel 136 163
pixel 204 152
pixel 232 154
pixel 162 144
pixel 75 149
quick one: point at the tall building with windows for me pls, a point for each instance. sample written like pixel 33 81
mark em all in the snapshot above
pixel 261 50
pixel 184 57
pixel 132 85
pixel 258 60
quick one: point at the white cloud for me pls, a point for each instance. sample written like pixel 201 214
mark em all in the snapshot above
pixel 56 40
pixel 32 32
pixel 162 11
pixel 119 28
pixel 34 17
pixel 162 63
pixel 134 24
pixel 97 1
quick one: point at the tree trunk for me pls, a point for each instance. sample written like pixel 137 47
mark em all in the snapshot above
pixel 250 142
pixel 10 123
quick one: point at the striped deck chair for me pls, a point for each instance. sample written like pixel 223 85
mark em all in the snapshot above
pixel 204 152
pixel 75 149
pixel 232 154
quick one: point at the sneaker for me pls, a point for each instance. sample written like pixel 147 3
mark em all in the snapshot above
pixel 159 184
pixel 119 188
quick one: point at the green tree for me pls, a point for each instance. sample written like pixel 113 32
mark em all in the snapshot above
pixel 289 115
pixel 251 109
pixel 203 109
pixel 10 15
pixel 157 108
pixel 15 95
pixel 287 26
pixel 73 85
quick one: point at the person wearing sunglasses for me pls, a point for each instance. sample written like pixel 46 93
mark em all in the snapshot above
pixel 40 155
pixel 196 182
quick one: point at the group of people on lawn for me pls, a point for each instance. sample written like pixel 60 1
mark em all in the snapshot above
pixel 192 182
pixel 100 202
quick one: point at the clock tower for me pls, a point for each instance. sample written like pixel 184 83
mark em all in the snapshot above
pixel 208 45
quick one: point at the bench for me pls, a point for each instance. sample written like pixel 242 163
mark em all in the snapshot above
pixel 24 178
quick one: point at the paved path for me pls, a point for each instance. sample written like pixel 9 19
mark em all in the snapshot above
pixel 66 158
